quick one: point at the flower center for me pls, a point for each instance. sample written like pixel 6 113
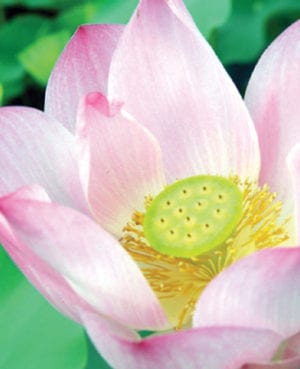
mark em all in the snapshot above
pixel 193 216
pixel 194 229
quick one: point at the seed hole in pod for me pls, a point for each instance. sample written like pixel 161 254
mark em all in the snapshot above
pixel 168 203
pixel 172 232
pixel 218 211
pixel 189 235
pixel 184 191
pixel 188 219
pixel 220 197
pixel 162 220
pixel 180 210
pixel 207 225
pixel 204 188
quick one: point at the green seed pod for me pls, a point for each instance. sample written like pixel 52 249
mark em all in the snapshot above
pixel 193 216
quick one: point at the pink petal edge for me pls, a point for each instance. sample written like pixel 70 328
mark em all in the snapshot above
pixel 205 348
pixel 82 68
pixel 50 283
pixel 91 261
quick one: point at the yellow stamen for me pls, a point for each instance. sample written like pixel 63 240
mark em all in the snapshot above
pixel 179 281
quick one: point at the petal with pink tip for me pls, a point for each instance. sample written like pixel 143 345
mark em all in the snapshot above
pixel 206 348
pixel 90 260
pixel 259 291
pixel 171 82
pixel 272 98
pixel 120 162
pixel 50 283
pixel 37 149
pixel 82 68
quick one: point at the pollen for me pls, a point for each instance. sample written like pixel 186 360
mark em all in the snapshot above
pixel 194 229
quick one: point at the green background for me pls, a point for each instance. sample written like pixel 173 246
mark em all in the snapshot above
pixel 32 35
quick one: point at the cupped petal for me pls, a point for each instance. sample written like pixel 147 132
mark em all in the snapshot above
pixel 259 291
pixel 37 149
pixel 82 68
pixel 171 82
pixel 46 279
pixel 90 260
pixel 206 348
pixel 272 98
pixel 120 162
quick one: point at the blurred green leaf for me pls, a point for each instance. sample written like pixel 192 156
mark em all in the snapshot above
pixel 39 58
pixel 51 4
pixel 1 94
pixel 209 14
pixel 33 335
pixel 71 18
pixel 114 11
pixel 243 37
pixel 15 35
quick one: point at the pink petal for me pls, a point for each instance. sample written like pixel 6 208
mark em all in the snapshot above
pixel 259 291
pixel 293 161
pixel 288 356
pixel 82 68
pixel 91 261
pixel 273 100
pixel 292 347
pixel 36 149
pixel 120 163
pixel 50 283
pixel 282 364
pixel 172 82
pixel 207 348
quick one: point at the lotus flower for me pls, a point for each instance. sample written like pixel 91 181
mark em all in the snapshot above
pixel 145 198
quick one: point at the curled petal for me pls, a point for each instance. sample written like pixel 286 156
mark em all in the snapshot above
pixel 120 162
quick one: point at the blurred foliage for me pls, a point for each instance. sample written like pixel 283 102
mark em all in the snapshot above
pixel 32 35
pixel 33 335
pixel 34 32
